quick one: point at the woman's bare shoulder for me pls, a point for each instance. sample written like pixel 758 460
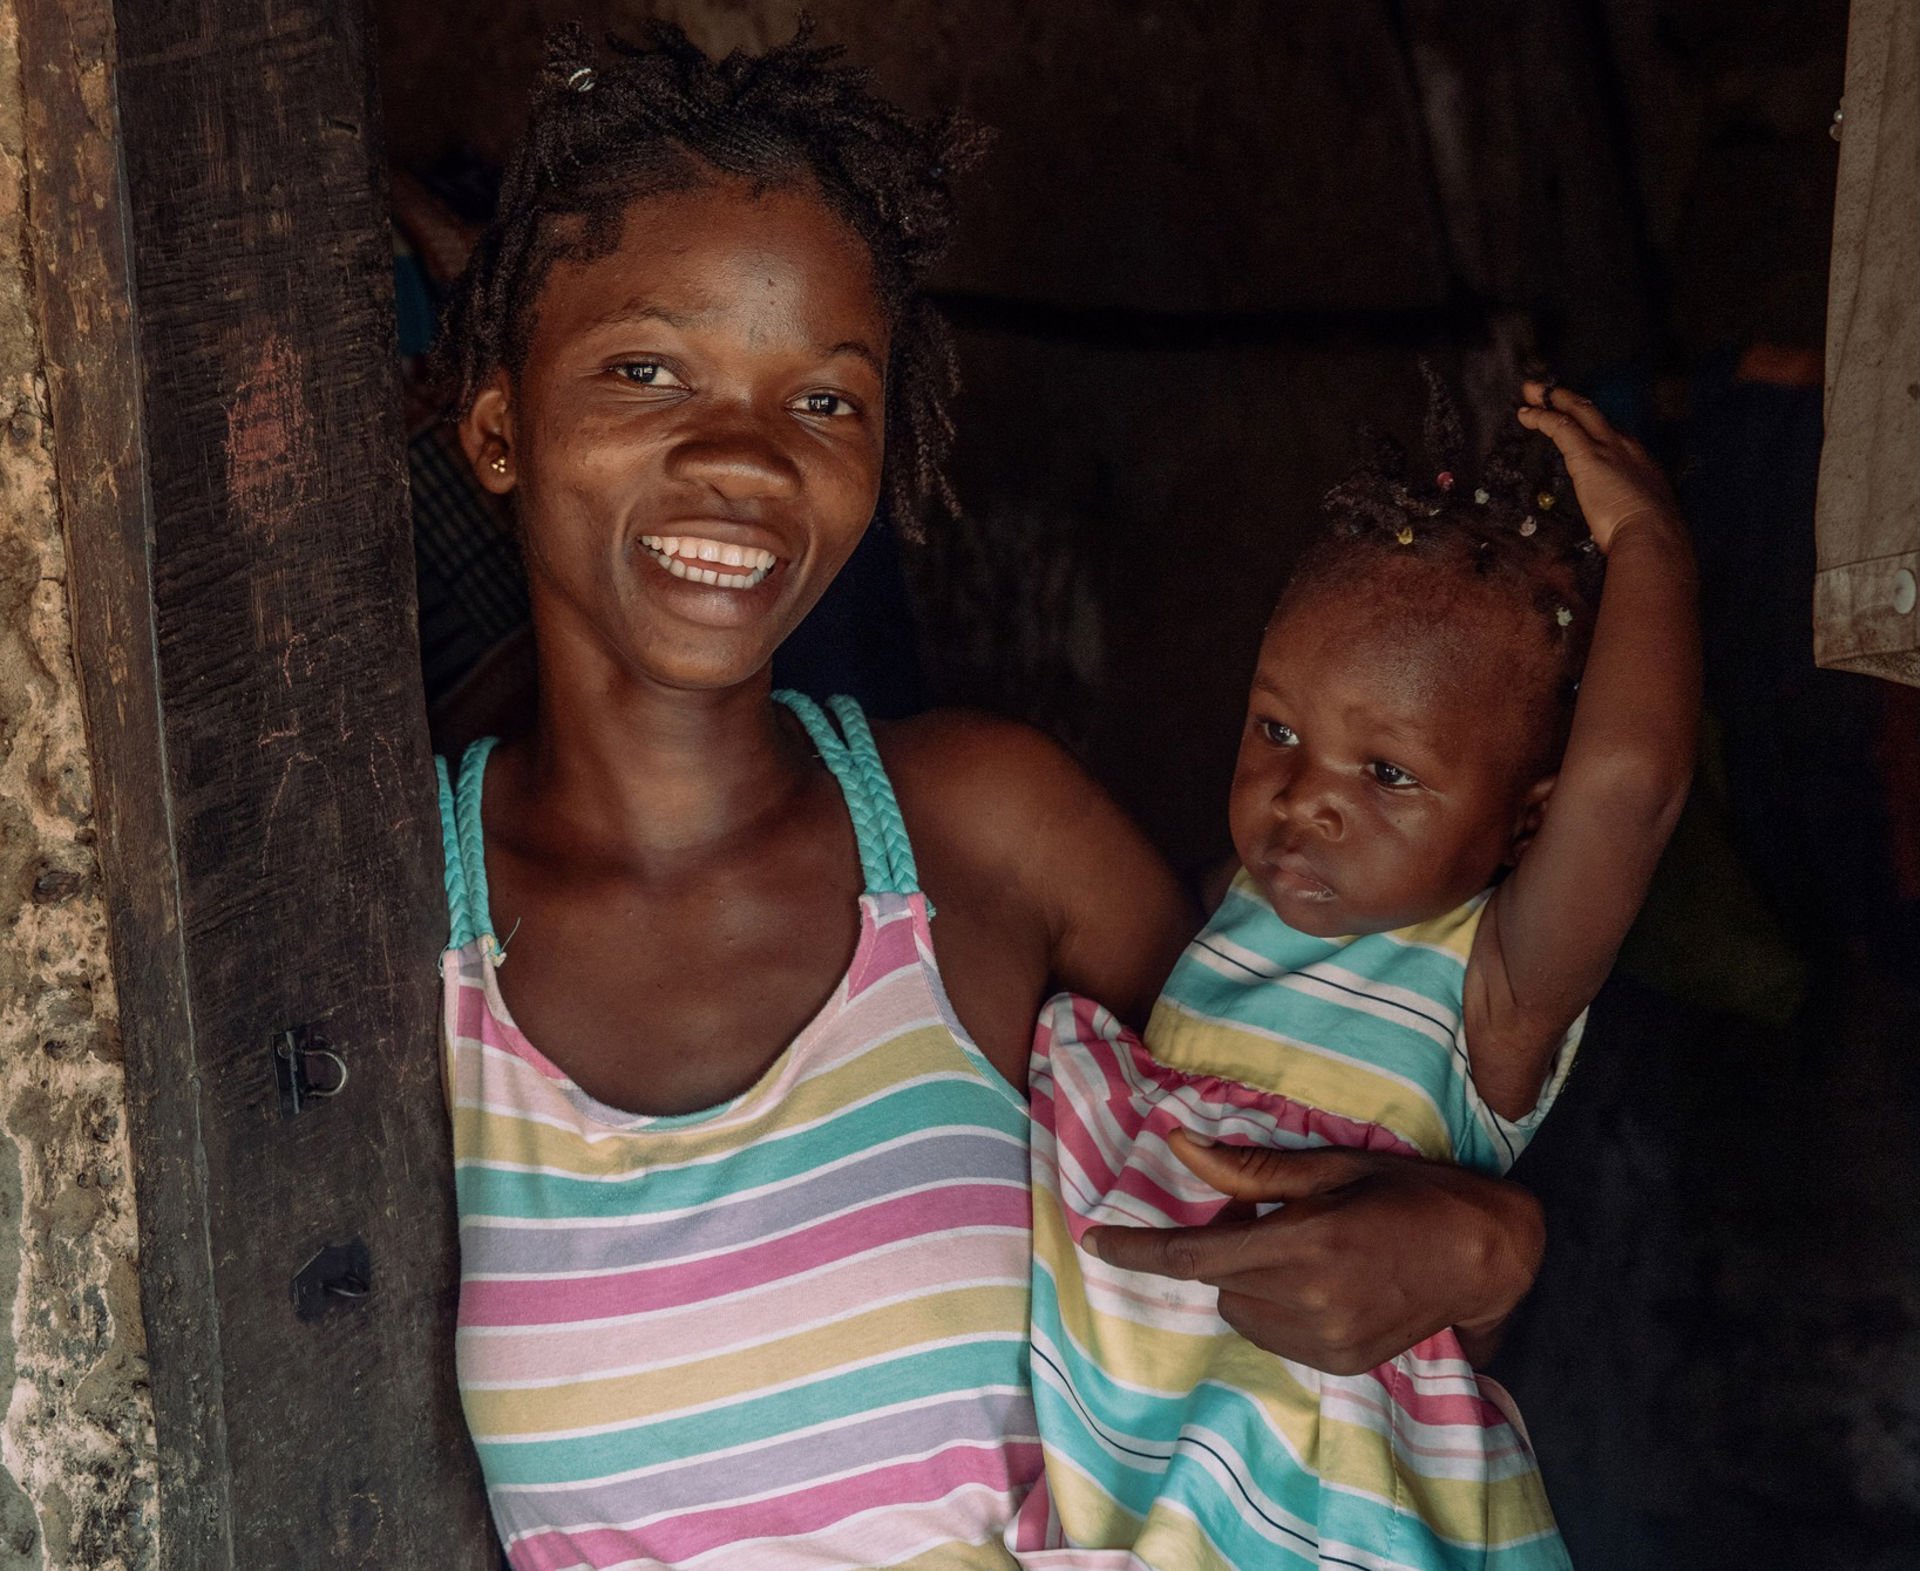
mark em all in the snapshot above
pixel 969 760
pixel 1002 795
pixel 1005 807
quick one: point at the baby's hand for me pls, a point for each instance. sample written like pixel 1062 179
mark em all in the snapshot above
pixel 1616 481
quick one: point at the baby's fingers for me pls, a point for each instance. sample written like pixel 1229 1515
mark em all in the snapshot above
pixel 1563 430
pixel 1551 395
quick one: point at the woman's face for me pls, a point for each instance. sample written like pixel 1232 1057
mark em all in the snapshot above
pixel 694 443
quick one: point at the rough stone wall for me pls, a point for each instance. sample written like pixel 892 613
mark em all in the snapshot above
pixel 76 1443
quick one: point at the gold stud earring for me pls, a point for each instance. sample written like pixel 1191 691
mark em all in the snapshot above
pixel 499 464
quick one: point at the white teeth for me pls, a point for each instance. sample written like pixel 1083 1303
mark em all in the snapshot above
pixel 751 579
pixel 677 555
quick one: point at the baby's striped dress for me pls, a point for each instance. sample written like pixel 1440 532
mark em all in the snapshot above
pixel 1171 1442
pixel 785 1332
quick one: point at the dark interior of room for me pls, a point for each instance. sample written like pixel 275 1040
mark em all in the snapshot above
pixel 1211 241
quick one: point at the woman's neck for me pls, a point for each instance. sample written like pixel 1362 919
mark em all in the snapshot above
pixel 649 770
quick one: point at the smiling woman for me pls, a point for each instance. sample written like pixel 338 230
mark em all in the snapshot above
pixel 745 1237
pixel 739 410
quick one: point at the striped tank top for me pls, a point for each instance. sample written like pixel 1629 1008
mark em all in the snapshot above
pixel 787 1331
pixel 1170 1441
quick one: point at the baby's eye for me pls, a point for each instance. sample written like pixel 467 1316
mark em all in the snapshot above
pixel 823 404
pixel 1391 776
pixel 646 373
pixel 1279 733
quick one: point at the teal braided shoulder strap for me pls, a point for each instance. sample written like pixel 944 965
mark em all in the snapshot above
pixel 886 855
pixel 460 923
pixel 460 823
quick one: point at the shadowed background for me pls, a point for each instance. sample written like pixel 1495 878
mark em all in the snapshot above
pixel 1210 241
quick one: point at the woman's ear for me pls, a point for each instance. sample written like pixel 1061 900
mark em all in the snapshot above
pixel 1533 811
pixel 486 434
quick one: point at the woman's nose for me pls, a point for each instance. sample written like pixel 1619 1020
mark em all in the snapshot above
pixel 738 457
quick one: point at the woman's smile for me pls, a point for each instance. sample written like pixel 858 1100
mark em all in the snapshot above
pixel 696 560
pixel 716 574
pixel 710 582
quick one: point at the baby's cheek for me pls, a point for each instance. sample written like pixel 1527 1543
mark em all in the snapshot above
pixel 1245 820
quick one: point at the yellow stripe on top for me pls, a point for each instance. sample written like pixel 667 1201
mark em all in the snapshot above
pixel 1317 1076
pixel 1172 1443
pixel 787 1332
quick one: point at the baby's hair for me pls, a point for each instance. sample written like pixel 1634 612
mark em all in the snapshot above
pixel 658 115
pixel 1521 535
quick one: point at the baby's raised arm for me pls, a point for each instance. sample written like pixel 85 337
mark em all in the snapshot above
pixel 1555 925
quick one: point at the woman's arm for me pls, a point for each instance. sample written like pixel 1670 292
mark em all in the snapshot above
pixel 1041 880
pixel 1372 1252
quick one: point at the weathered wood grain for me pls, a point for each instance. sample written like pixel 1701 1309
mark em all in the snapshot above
pixel 79 228
pixel 213 252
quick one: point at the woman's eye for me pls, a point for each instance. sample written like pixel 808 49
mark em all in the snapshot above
pixel 1279 734
pixel 646 373
pixel 824 404
pixel 1391 775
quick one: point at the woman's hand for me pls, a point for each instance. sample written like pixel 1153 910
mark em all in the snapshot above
pixel 1371 1254
pixel 1615 478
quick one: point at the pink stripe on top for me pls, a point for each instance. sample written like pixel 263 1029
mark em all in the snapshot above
pixel 787 1331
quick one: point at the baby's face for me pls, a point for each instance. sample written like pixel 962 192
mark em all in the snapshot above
pixel 1381 779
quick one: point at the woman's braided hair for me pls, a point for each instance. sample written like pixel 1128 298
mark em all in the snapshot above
pixel 657 115
pixel 1519 532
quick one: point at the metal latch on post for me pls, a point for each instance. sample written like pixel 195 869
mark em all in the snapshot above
pixel 305 1069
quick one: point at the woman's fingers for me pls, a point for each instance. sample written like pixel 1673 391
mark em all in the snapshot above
pixel 1226 1249
pixel 1337 1351
pixel 1373 1252
pixel 1187 1254
pixel 1255 1173
pixel 1281 1288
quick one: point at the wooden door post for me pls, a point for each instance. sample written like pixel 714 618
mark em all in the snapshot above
pixel 213 261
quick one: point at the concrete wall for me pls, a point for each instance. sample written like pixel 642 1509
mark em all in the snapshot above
pixel 76 1443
